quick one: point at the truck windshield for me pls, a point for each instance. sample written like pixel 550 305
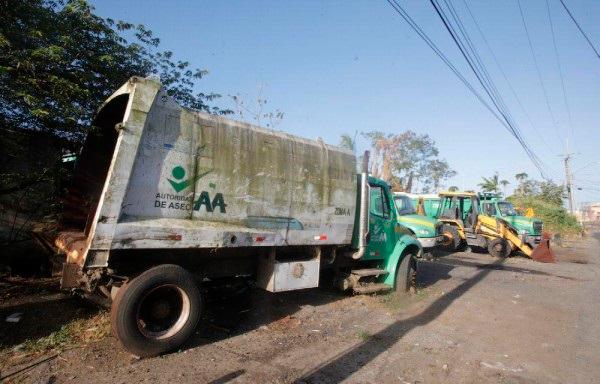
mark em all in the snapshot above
pixel 404 205
pixel 507 209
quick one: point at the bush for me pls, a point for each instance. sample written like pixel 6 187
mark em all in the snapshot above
pixel 555 217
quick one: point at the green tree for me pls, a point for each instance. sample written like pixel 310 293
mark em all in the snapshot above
pixel 551 192
pixel 453 188
pixel 437 171
pixel 58 61
pixel 504 183
pixel 405 157
pixel 347 142
pixel 521 182
pixel 490 184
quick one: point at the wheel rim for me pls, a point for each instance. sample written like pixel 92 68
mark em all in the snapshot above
pixel 448 239
pixel 163 311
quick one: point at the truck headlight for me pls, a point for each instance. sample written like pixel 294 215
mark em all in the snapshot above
pixel 423 232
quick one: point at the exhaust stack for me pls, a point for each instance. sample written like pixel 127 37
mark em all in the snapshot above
pixel 363 219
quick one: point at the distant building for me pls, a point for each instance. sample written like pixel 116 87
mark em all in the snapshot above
pixel 590 212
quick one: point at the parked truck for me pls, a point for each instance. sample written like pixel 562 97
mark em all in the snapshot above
pixel 165 199
pixel 427 230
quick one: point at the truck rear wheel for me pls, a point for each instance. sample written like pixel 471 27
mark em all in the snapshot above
pixel 157 311
pixel 499 248
pixel 405 274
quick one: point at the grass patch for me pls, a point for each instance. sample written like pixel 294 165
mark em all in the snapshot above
pixel 364 335
pixel 395 301
pixel 80 331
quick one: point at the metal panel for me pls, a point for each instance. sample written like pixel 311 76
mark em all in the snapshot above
pixel 279 276
pixel 180 179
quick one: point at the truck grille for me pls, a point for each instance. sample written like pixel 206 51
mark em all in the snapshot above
pixel 537 226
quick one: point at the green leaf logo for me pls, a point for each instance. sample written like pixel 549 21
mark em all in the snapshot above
pixel 178 174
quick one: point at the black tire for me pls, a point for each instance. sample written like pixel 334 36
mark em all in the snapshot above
pixel 157 311
pixel 451 240
pixel 405 274
pixel 499 248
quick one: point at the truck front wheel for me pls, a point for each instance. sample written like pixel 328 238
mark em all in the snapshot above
pixel 405 274
pixel 157 311
pixel 499 248
pixel 452 240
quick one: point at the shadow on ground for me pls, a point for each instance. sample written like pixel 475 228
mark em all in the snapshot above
pixel 43 307
pixel 344 365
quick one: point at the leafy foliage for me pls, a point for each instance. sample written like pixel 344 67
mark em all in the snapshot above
pixel 490 184
pixel 402 158
pixel 347 142
pixel 555 217
pixel 546 199
pixel 58 61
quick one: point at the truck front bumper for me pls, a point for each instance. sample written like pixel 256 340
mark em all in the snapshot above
pixel 430 242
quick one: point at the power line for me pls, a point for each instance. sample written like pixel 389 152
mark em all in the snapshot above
pixel 476 64
pixel 439 53
pixel 398 8
pixel 539 73
pixel 560 73
pixel 539 135
pixel 580 30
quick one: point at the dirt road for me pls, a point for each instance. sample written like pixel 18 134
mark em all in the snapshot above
pixel 475 319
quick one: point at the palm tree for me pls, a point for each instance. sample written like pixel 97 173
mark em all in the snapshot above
pixel 346 141
pixel 504 183
pixel 490 184
pixel 521 177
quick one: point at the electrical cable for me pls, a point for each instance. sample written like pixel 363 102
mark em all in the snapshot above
pixel 580 29
pixel 560 73
pixel 508 82
pixel 475 63
pixel 504 120
pixel 537 68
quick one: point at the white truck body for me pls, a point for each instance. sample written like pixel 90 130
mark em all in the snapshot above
pixel 177 178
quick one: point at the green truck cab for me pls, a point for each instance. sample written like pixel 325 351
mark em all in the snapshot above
pixel 388 238
pixel 385 250
pixel 529 228
pixel 426 229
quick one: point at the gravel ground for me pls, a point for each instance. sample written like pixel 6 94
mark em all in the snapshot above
pixel 474 319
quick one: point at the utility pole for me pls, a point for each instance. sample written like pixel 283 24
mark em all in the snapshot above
pixel 569 180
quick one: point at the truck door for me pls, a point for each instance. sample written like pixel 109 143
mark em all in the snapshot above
pixel 381 224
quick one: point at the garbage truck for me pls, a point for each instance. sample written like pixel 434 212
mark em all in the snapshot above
pixel 165 199
pixel 427 230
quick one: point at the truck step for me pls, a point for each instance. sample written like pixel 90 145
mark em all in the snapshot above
pixel 369 272
pixel 372 288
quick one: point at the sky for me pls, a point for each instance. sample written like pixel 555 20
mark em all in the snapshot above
pixel 345 67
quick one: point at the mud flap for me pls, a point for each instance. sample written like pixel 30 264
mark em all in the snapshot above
pixel 70 276
pixel 542 252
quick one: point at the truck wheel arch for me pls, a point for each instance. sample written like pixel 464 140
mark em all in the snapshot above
pixel 406 246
